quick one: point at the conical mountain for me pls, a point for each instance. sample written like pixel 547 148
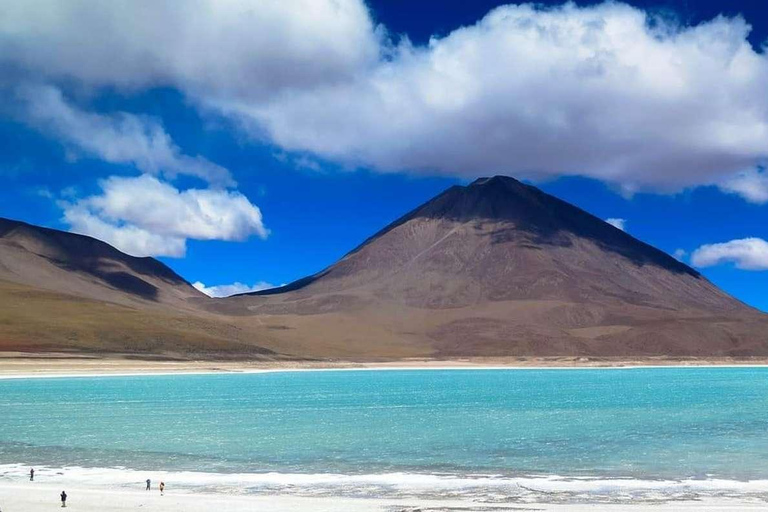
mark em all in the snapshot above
pixel 499 267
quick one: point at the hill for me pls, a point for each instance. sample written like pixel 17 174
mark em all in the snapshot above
pixel 61 291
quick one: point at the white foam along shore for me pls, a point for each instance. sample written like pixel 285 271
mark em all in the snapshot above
pixel 411 487
pixel 40 497
pixel 243 371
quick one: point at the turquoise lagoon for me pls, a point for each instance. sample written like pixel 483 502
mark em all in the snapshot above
pixel 523 434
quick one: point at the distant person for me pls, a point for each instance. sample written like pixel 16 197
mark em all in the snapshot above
pixel 32 475
pixel 63 499
pixel 162 488
pixel 149 482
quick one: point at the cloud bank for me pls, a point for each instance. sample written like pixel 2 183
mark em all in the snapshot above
pixel 243 48
pixel 746 254
pixel 605 91
pixel 144 216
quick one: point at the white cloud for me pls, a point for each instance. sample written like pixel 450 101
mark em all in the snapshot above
pixel 604 91
pixel 536 92
pixel 752 185
pixel 120 138
pixel 245 48
pixel 617 223
pixel 746 254
pixel 679 254
pixel 146 217
pixel 225 290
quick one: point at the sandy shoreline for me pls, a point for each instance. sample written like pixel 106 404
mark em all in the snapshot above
pixel 39 497
pixel 30 365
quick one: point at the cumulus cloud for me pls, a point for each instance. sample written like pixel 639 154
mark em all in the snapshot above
pixel 605 91
pixel 752 185
pixel 226 290
pixel 746 254
pixel 679 254
pixel 146 217
pixel 617 223
pixel 596 91
pixel 120 138
pixel 245 48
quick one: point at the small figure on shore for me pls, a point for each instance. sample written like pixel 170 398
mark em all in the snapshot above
pixel 162 488
pixel 149 482
pixel 63 499
pixel 32 475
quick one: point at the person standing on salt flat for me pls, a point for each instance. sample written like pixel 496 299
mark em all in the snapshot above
pixel 149 482
pixel 63 499
pixel 32 475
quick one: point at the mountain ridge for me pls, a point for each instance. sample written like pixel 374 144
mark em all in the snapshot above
pixel 68 292
pixel 81 253
pixel 495 268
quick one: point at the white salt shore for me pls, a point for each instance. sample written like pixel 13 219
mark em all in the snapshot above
pixel 38 497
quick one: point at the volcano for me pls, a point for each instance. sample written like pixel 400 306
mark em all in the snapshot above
pixel 500 268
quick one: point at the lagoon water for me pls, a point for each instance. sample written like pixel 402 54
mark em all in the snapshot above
pixel 524 434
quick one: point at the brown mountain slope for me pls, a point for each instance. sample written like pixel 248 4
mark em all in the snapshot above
pixel 501 268
pixel 83 266
pixel 62 291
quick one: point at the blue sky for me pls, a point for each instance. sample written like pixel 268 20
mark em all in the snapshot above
pixel 266 166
